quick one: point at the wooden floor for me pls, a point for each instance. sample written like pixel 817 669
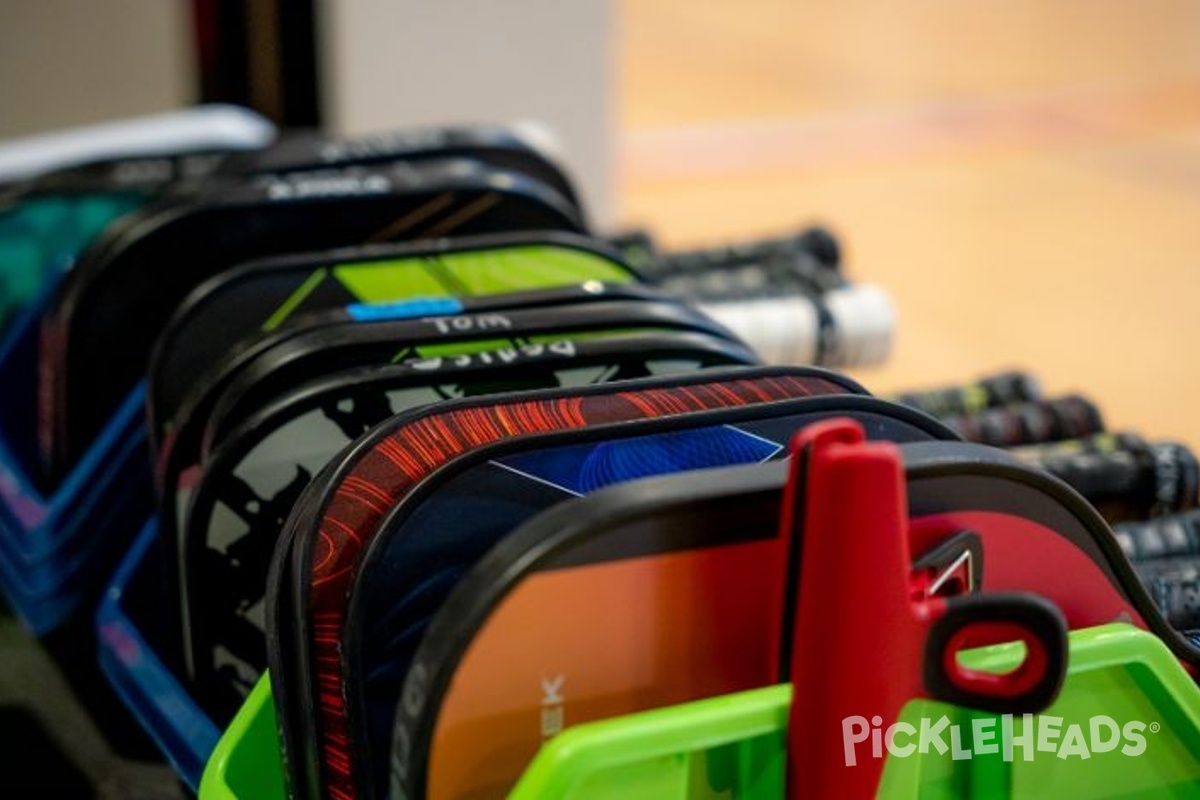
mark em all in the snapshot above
pixel 1023 177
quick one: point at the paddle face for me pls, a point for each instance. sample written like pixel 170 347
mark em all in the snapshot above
pixel 57 214
pixel 429 542
pixel 481 344
pixel 662 590
pixel 473 704
pixel 1078 564
pixel 331 528
pixel 334 342
pixel 1017 511
pixel 41 236
pixel 496 145
pixel 260 298
pixel 47 222
pixel 146 174
pixel 98 333
pixel 315 350
pixel 252 480
pixel 474 276
pixel 370 340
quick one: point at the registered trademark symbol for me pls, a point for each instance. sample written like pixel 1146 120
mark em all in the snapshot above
pixel 1155 727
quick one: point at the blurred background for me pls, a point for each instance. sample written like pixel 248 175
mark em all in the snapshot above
pixel 1023 177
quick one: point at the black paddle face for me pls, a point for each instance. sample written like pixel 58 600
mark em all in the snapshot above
pixel 99 331
pixel 260 298
pixel 252 481
pixel 433 538
pixel 145 174
pixel 361 335
pixel 492 639
pixel 496 145
pixel 300 353
pixel 377 341
pixel 322 348
pixel 487 360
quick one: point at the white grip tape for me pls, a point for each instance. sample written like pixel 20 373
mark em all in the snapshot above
pixel 866 323
pixel 207 127
pixel 779 330
pixel 786 330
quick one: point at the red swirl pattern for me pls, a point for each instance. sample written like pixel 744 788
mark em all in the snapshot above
pixel 396 464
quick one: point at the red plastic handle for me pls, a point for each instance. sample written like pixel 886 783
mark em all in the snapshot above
pixel 1014 683
pixel 971 621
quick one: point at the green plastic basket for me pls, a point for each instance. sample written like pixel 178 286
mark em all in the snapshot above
pixel 246 763
pixel 735 746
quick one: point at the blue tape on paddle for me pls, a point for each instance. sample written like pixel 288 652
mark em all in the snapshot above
pixel 405 309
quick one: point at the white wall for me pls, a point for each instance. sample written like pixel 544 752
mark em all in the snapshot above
pixel 73 62
pixel 390 63
pixel 386 63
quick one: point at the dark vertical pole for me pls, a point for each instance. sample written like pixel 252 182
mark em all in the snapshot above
pixel 261 54
pixel 301 85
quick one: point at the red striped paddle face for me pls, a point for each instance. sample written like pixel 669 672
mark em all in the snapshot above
pixel 354 500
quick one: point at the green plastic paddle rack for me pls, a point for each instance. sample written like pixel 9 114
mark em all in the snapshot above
pixel 1115 672
pixel 734 746
pixel 246 763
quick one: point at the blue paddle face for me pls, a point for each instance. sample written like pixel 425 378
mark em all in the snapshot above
pixel 427 545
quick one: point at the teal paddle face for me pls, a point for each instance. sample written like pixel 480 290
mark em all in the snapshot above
pixel 41 236
pixel 49 221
